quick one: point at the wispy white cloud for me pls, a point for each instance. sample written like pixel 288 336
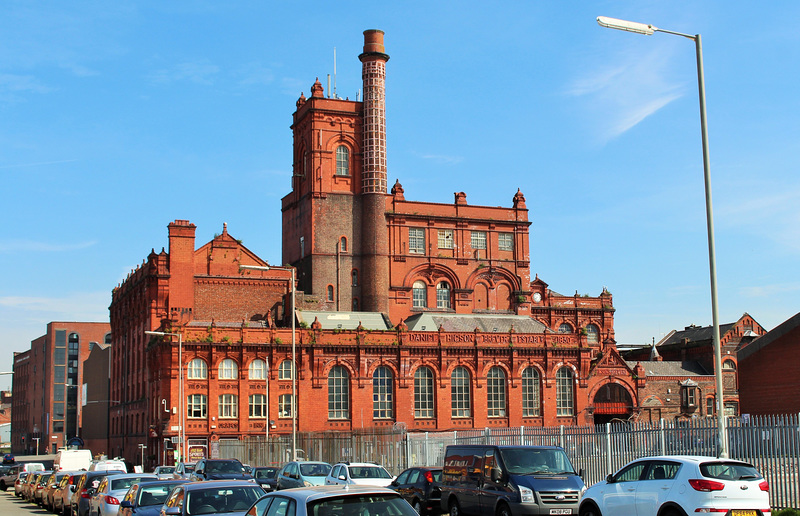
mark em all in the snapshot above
pixel 621 96
pixel 767 291
pixel 198 72
pixel 15 246
pixel 77 306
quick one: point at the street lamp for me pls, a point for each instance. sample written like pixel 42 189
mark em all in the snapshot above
pixel 294 352
pixel 648 30
pixel 181 431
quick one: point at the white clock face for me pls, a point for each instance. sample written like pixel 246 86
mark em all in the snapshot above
pixel 537 297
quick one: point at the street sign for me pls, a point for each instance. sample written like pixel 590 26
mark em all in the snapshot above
pixel 176 440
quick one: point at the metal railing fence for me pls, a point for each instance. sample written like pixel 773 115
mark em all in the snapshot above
pixel 771 443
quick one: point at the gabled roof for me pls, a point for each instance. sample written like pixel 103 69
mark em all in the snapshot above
pixel 693 334
pixel 490 323
pixel 671 368
pixel 771 336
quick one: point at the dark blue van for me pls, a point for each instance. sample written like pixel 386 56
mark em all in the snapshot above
pixel 509 481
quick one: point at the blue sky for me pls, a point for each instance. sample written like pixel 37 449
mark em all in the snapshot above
pixel 119 117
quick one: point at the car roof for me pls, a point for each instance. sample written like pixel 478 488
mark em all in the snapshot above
pixel 206 484
pixel 311 494
pixel 693 459
pixel 360 464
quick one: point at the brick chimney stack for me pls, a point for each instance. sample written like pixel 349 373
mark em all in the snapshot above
pixel 374 236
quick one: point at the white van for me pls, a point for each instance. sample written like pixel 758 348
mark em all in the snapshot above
pixel 72 460
pixel 108 465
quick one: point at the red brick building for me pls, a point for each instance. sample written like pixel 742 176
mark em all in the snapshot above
pixel 437 323
pixel 769 371
pixel 46 411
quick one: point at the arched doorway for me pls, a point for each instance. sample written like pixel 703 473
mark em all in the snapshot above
pixel 612 402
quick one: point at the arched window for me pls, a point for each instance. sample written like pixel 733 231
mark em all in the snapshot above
pixel 338 393
pixel 330 292
pixel 729 365
pixel 424 393
pixel 107 340
pixel 258 370
pixel 285 406
pixel 496 392
pixel 198 370
pixel 564 392
pixel 305 164
pixel 382 391
pixel 592 333
pixel 228 406
pixel 197 406
pixel 419 295
pixel 342 161
pixel 343 244
pixel 285 370
pixel 354 274
pixel 443 295
pixel 228 370
pixel 258 405
pixel 564 328
pixel 459 392
pixel 530 393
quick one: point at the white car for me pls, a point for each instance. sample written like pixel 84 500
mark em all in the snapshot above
pixel 677 485
pixel 360 473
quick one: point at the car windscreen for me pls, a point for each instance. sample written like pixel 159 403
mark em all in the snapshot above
pixel 117 484
pixel 536 461
pixel 724 470
pixel 227 466
pixel 266 473
pixel 314 470
pixel 362 505
pixel 165 469
pixel 154 494
pixel 222 499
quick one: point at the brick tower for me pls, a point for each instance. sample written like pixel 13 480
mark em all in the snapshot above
pixel 374 236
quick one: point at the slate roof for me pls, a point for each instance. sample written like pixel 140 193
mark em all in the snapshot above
pixel 694 334
pixel 670 368
pixel 499 323
pixel 345 320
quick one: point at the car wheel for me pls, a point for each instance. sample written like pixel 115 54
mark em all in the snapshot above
pixel 454 508
pixel 3 485
pixel 672 512
pixel 588 510
pixel 417 506
pixel 503 510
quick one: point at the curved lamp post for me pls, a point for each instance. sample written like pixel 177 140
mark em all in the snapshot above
pixel 649 30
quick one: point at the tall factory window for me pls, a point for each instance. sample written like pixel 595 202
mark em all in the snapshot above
pixel 197 406
pixel 258 370
pixel 505 241
pixel 445 239
pixel 342 161
pixel 382 391
pixel 338 393
pixel 285 370
pixel 530 393
pixel 419 294
pixel 423 393
pixel 258 405
pixel 416 240
pixel 198 370
pixel 565 328
pixel 564 392
pixel 228 370
pixel 459 393
pixel 496 392
pixel 478 239
pixel 443 295
pixel 285 406
pixel 228 406
pixel 592 333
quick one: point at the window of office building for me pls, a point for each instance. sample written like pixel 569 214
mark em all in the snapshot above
pixel 424 393
pixel 338 393
pixel 382 393
pixel 459 393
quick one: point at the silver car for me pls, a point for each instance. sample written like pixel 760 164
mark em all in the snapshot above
pixel 105 501
pixel 339 500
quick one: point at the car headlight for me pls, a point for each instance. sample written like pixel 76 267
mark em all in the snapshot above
pixel 526 495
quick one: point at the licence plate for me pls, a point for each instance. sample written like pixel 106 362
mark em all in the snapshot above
pixel 740 512
pixel 569 511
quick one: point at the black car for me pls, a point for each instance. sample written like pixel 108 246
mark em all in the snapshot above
pixel 219 469
pixel 266 477
pixel 420 488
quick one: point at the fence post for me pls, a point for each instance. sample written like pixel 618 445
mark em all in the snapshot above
pixel 561 436
pixel 608 448
pixel 662 436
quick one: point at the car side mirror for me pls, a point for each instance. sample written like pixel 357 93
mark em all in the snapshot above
pixel 610 478
pixel 198 472
pixel 580 472
pixel 173 511
pixel 126 504
pixel 342 477
pixel 497 475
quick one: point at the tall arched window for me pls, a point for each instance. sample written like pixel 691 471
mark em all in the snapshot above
pixel 419 294
pixel 496 392
pixel 338 393
pixel 592 333
pixel 342 161
pixel 565 404
pixel 382 391
pixel 530 393
pixel 330 292
pixel 424 393
pixel 459 392
pixel 343 244
pixel 228 370
pixel 197 370
pixel 443 295
pixel 258 370
pixel 354 275
pixel 285 370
